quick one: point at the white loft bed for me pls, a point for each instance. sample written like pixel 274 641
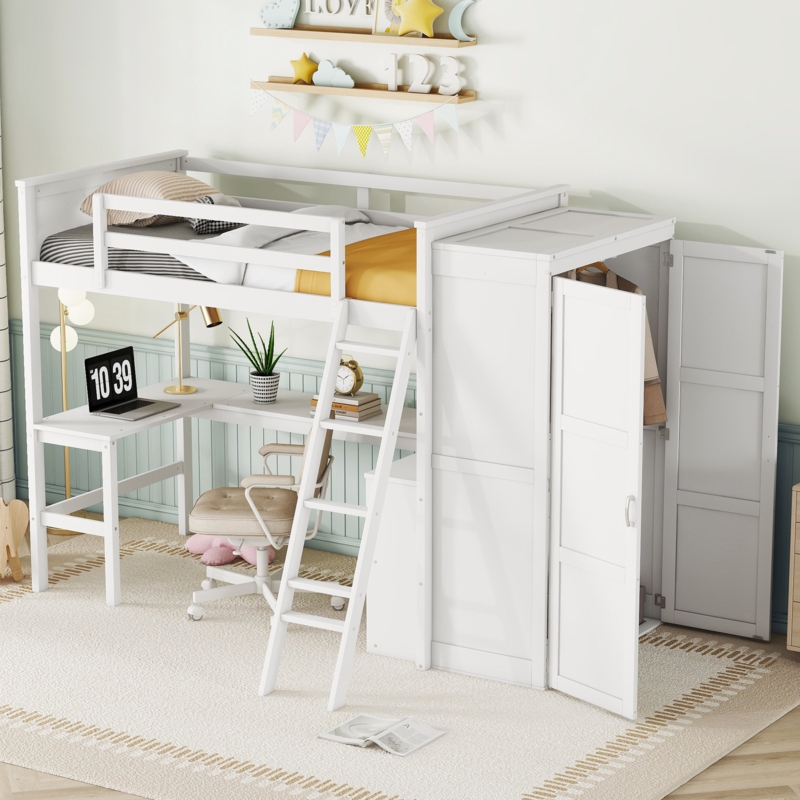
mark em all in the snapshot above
pixel 50 204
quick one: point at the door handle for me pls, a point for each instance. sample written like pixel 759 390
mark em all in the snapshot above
pixel 628 502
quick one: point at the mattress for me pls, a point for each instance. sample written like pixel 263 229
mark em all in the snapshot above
pixel 75 247
pixel 380 260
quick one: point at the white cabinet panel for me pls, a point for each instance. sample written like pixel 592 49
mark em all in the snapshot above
pixel 588 498
pixel 483 368
pixel 596 505
pixel 724 315
pixel 720 441
pixel 596 387
pixel 483 558
pixel 717 551
pixel 392 593
pixel 722 404
pixel 590 602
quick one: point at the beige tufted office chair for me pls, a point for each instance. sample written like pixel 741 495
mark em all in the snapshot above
pixel 260 513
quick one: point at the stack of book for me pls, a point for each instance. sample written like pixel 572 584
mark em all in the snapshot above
pixel 361 405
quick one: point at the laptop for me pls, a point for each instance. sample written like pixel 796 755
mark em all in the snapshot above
pixel 111 388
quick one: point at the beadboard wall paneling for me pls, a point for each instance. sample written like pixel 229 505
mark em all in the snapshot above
pixel 223 454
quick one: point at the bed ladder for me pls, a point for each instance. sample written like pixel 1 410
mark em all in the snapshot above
pixel 371 512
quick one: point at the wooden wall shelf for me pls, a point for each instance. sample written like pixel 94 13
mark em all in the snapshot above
pixel 360 35
pixel 370 90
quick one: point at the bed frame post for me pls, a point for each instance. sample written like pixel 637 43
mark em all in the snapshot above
pixel 183 429
pixel 423 544
pixel 32 350
pixel 337 265
pixel 99 228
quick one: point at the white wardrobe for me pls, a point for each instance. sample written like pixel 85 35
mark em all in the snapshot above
pixel 552 502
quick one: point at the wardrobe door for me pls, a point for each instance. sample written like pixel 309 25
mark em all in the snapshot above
pixel 596 489
pixel 722 405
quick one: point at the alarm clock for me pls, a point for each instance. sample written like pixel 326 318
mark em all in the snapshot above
pixel 349 378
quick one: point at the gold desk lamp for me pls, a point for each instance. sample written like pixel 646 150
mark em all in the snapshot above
pixel 212 318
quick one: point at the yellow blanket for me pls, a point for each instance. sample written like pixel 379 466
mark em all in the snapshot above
pixel 382 269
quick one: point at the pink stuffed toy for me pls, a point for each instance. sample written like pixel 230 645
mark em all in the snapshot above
pixel 217 550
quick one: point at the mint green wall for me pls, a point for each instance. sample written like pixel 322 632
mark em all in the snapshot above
pixel 223 453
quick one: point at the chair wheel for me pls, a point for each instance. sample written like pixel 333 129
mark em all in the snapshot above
pixel 195 612
pixel 208 583
pixel 337 603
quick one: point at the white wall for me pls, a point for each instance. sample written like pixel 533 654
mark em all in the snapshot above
pixel 679 108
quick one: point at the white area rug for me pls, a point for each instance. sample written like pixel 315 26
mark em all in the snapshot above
pixel 139 699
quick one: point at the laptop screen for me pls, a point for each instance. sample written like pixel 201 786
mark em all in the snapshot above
pixel 110 379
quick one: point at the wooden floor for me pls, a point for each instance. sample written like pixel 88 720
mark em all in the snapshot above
pixel 765 768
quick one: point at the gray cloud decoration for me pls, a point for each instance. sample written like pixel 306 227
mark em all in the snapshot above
pixel 328 75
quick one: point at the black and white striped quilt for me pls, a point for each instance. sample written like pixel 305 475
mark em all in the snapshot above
pixel 75 247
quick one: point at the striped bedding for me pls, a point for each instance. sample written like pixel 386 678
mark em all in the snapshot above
pixel 75 247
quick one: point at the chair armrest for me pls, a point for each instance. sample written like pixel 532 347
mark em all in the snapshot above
pixel 282 449
pixel 269 481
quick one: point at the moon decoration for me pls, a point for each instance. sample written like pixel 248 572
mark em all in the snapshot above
pixel 454 21
pixel 280 14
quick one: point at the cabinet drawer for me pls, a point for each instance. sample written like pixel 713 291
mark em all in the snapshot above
pixel 797 538
pixel 797 510
pixel 794 633
pixel 483 558
pixel 484 334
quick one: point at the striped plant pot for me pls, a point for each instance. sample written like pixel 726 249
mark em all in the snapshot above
pixel 265 387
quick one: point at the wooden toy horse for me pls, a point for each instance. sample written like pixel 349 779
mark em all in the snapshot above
pixel 13 524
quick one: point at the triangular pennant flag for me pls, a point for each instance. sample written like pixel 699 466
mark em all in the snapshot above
pixel 425 121
pixel 384 134
pixel 404 129
pixel 257 99
pixel 321 128
pixel 448 114
pixel 300 122
pixel 279 111
pixel 362 132
pixel 341 132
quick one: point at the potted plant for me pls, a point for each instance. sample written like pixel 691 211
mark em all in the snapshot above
pixel 263 377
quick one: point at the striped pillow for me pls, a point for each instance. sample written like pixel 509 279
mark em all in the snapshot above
pixel 154 186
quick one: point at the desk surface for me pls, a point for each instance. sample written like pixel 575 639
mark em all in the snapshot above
pixel 223 401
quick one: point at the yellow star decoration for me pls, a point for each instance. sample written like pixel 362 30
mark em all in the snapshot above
pixel 304 68
pixel 418 15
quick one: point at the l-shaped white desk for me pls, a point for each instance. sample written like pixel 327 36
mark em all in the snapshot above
pixel 220 401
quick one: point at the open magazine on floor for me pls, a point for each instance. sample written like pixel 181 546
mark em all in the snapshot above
pixel 397 736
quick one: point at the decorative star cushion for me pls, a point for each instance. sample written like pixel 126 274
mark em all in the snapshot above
pixel 304 68
pixel 418 16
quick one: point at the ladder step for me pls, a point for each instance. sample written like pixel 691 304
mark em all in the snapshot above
pixel 313 621
pixel 366 347
pixel 321 587
pixel 338 508
pixel 345 426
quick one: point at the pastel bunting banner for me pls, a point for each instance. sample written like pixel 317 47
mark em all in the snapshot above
pixel 425 121
pixel 257 99
pixel 362 132
pixel 321 128
pixel 279 111
pixel 300 122
pixel 448 114
pixel 404 128
pixel 341 132
pixel 384 134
